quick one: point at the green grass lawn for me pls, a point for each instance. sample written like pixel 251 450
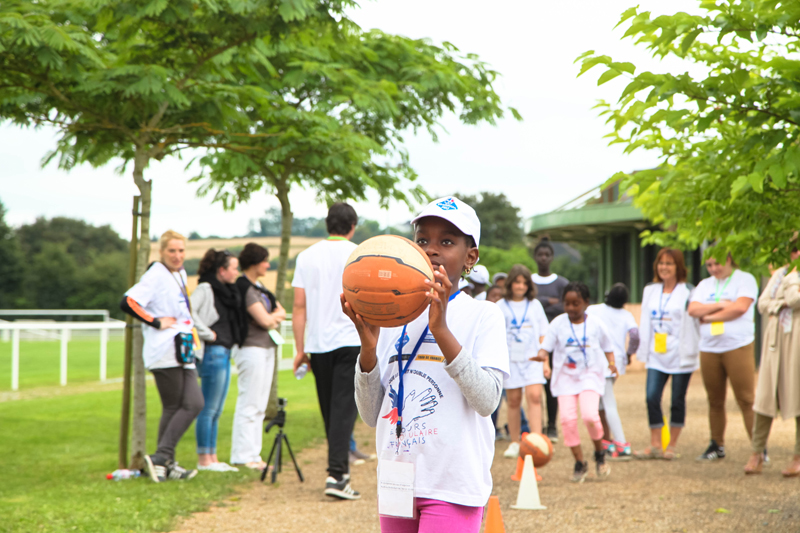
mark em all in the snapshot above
pixel 56 452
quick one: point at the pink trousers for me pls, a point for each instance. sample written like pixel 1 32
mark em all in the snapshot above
pixel 568 411
pixel 435 516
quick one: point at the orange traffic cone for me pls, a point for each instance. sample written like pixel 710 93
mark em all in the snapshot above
pixel 494 518
pixel 517 475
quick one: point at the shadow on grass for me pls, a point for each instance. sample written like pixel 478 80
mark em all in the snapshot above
pixel 56 452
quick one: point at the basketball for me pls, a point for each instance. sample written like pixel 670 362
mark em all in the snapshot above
pixel 538 447
pixel 384 280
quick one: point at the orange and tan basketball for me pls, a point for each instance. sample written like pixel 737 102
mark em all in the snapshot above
pixel 384 280
pixel 538 447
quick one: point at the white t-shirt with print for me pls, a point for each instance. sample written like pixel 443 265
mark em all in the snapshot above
pixel 573 370
pixel 739 332
pixel 161 294
pixel 450 444
pixel 673 308
pixel 525 323
pixel 319 271
pixel 618 323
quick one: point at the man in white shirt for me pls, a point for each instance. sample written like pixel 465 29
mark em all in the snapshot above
pixel 323 332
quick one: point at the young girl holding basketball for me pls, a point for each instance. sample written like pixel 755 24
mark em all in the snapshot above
pixel 434 433
pixel 582 350
pixel 526 325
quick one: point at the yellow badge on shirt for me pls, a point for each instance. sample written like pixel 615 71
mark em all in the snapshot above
pixel 717 328
pixel 661 343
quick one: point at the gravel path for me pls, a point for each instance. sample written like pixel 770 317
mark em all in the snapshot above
pixel 639 496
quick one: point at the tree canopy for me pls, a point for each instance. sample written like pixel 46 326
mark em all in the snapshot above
pixel 726 130
pixel 334 118
pixel 501 224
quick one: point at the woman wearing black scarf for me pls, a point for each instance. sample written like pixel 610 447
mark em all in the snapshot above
pixel 217 314
pixel 255 359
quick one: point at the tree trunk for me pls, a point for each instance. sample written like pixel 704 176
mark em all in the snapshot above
pixel 283 259
pixel 282 188
pixel 139 430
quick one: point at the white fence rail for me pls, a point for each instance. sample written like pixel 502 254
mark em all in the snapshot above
pixel 65 328
pixel 63 332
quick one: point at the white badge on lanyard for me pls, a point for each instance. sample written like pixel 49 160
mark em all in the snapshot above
pixel 396 489
pixel 276 336
pixel 517 347
pixel 517 351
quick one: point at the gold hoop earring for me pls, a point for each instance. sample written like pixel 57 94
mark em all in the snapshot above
pixel 467 271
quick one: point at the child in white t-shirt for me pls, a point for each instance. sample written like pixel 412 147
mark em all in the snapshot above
pixel 582 350
pixel 621 324
pixel 433 429
pixel 526 325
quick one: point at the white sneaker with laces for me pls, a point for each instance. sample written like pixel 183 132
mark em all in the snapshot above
pixel 512 451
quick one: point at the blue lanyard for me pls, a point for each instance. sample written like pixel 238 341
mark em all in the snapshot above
pixel 575 336
pixel 404 369
pixel 662 307
pixel 517 325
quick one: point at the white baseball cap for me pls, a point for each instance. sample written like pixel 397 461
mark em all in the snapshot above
pixel 479 274
pixel 457 213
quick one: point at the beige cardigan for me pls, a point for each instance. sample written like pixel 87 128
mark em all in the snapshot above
pixel 779 374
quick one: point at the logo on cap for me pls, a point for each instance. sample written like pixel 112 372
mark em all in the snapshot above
pixel 447 205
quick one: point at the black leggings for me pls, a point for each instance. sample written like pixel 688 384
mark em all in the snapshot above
pixel 181 401
pixel 552 403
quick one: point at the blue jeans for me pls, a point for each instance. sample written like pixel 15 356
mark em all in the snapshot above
pixel 215 376
pixel 656 381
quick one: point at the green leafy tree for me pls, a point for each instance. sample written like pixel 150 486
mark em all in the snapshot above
pixel 501 224
pixel 80 239
pixel 72 264
pixel 141 80
pixel 501 259
pixel 11 264
pixel 726 130
pixel 335 118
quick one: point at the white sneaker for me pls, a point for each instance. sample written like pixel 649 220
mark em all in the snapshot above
pixel 512 451
pixel 218 467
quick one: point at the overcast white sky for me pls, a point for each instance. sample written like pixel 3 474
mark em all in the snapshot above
pixel 554 155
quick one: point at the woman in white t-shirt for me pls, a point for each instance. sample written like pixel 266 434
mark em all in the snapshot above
pixel 663 319
pixel 621 326
pixel 582 351
pixel 434 434
pixel 161 301
pixel 724 304
pixel 526 325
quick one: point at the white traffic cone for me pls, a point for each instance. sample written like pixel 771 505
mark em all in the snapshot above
pixel 528 495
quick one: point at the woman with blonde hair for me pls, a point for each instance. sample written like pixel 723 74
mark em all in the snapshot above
pixel 161 301
pixel 778 386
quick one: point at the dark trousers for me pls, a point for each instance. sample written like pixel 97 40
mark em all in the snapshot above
pixel 334 373
pixel 181 402
pixel 656 381
pixel 552 403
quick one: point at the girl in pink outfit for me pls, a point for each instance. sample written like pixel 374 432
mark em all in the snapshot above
pixel 582 351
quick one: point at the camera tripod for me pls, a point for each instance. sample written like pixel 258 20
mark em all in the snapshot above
pixel 277 445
